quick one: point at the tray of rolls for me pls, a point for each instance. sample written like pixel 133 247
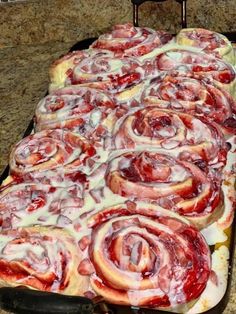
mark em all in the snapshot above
pixel 122 191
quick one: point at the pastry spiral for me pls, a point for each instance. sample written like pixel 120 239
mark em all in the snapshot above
pixel 61 70
pixel 128 40
pixel 33 203
pixel 196 97
pixel 180 134
pixel 177 185
pixel 42 258
pixel 52 150
pixel 108 73
pixel 187 63
pixel 82 110
pixel 209 41
pixel 145 257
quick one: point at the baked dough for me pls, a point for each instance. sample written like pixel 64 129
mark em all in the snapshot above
pixel 209 41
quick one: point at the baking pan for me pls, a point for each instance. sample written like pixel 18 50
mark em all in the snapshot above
pixel 27 301
pixel 23 300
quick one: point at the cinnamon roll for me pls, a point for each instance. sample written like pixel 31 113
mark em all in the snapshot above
pixel 42 258
pixel 180 186
pixel 126 39
pixel 193 96
pixel 196 64
pixel 52 150
pixel 144 256
pixel 108 73
pixel 82 110
pixel 24 204
pixel 61 70
pixel 209 41
pixel 180 134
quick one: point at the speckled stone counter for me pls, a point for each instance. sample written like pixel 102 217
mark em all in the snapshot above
pixel 40 21
pixel 24 81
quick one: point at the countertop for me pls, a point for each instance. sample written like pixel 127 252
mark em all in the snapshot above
pixel 24 81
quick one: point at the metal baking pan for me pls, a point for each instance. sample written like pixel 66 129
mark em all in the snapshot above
pixel 31 301
pixel 27 301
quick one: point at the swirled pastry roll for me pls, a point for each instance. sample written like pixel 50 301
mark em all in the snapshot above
pixel 25 204
pixel 180 134
pixel 180 186
pixel 196 64
pixel 82 110
pixel 42 258
pixel 193 96
pixel 52 150
pixel 107 72
pixel 126 39
pixel 145 257
pixel 61 69
pixel 209 41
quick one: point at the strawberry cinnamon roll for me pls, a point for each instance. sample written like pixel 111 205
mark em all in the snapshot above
pixel 129 40
pixel 82 110
pixel 209 41
pixel 197 64
pixel 108 73
pixel 52 150
pixel 61 69
pixel 182 135
pixel 144 256
pixel 42 258
pixel 25 204
pixel 180 186
pixel 197 97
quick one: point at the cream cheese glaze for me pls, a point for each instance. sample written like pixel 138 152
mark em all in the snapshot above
pixel 27 204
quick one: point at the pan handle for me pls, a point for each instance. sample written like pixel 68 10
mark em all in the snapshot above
pixel 26 301
pixel 137 3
